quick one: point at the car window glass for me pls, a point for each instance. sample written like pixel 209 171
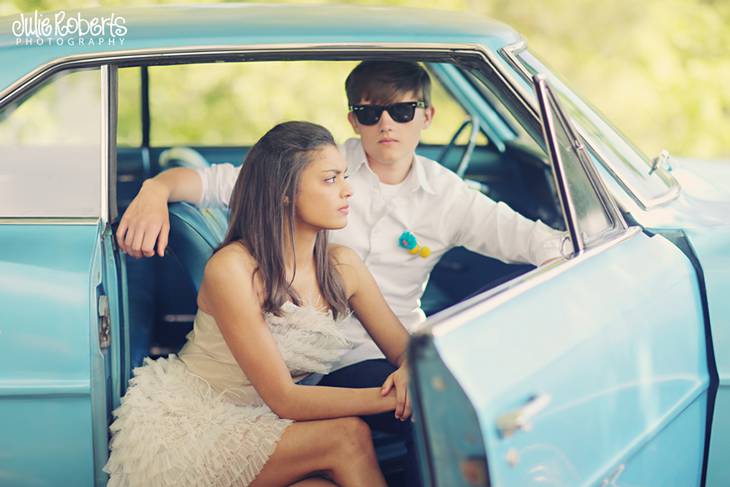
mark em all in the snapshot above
pixel 449 116
pixel 593 219
pixel 234 104
pixel 50 149
pixel 593 222
pixel 631 165
pixel 129 124
pixel 521 136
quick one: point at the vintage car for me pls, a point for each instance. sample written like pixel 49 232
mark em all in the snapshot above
pixel 608 367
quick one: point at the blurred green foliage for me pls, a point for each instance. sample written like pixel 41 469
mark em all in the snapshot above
pixel 656 68
pixel 222 104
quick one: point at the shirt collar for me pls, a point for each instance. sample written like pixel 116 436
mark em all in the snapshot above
pixel 421 176
pixel 357 158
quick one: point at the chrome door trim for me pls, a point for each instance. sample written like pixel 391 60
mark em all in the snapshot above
pixel 45 387
pixel 462 313
pixel 561 180
pixel 49 221
pixel 510 54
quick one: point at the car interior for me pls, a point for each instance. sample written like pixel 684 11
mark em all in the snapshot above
pixel 161 110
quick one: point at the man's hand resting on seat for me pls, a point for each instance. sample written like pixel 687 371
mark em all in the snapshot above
pixel 146 220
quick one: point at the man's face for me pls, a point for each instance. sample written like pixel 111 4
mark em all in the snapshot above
pixel 389 142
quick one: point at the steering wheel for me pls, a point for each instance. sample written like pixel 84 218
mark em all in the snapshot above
pixel 469 149
pixel 182 157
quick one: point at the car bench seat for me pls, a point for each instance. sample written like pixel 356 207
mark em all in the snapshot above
pixel 194 234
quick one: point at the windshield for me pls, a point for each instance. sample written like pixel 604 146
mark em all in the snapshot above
pixel 627 161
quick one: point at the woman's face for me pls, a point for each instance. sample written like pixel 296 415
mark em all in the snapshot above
pixel 323 190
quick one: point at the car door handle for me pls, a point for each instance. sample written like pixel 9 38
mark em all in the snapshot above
pixel 520 419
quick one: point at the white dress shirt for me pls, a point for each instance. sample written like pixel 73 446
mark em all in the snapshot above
pixel 436 206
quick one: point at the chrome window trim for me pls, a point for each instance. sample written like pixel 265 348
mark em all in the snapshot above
pixel 510 54
pixel 560 178
pixel 544 93
pixel 181 54
pixel 105 142
pixel 462 313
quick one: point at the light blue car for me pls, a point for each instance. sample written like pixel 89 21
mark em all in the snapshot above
pixel 609 367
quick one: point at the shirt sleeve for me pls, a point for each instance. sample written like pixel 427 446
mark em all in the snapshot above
pixel 496 230
pixel 218 181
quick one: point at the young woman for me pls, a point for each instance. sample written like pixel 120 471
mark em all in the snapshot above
pixel 271 308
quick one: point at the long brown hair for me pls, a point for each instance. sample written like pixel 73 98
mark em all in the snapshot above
pixel 260 220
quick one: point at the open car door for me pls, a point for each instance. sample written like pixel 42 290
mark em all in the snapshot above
pixel 62 365
pixel 587 371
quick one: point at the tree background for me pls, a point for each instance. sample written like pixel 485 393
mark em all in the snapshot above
pixel 658 69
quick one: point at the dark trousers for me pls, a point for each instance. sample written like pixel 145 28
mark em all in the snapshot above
pixel 372 373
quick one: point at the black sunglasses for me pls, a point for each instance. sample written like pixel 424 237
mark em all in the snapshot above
pixel 400 112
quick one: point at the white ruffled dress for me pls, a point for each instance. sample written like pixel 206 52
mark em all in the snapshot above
pixel 196 420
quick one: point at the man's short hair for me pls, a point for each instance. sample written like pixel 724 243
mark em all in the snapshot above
pixel 383 82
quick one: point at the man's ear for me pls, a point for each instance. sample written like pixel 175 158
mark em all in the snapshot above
pixel 353 122
pixel 285 201
pixel 428 114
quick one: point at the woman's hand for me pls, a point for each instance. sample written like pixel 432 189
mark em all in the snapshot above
pixel 398 380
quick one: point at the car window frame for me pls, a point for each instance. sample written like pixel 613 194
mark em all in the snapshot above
pixel 106 208
pixel 510 53
pixel 555 119
pixel 465 55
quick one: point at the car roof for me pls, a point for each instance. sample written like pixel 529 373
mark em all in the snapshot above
pixel 183 26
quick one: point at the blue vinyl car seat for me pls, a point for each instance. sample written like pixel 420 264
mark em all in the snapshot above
pixel 194 234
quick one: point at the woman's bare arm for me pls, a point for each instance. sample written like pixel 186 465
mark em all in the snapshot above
pixel 380 322
pixel 370 306
pixel 229 294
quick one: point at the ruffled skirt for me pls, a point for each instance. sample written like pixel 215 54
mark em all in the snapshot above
pixel 173 429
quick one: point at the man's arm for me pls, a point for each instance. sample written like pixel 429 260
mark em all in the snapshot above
pixel 496 230
pixel 146 220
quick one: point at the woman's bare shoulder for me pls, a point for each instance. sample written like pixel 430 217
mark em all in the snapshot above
pixel 342 254
pixel 232 265
pixel 233 258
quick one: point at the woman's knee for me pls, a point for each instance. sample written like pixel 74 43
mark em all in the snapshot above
pixel 354 436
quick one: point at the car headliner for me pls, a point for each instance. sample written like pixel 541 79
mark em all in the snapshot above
pixel 246 24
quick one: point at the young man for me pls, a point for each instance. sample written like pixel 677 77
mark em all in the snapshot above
pixel 395 191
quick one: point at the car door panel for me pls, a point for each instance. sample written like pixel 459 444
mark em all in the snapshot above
pixel 614 340
pixel 48 321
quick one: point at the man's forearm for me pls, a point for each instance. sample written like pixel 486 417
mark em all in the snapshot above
pixel 176 184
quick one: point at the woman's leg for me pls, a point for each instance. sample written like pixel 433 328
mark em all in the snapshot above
pixel 342 448
pixel 314 482
pixel 372 373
